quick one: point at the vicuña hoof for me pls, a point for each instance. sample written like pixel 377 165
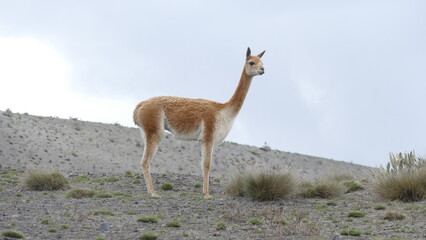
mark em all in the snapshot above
pixel 154 195
pixel 207 196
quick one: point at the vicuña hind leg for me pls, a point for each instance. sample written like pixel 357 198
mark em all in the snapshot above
pixel 151 146
pixel 207 152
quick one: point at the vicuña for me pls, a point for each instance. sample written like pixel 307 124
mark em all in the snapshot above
pixel 192 119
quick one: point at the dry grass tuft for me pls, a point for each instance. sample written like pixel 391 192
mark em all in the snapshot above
pixel 406 187
pixel 235 187
pixel 45 181
pixel 404 179
pixel 322 189
pixel 79 193
pixel 394 215
pixel 262 185
pixel 330 186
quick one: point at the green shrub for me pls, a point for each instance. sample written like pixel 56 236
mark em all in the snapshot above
pixel 173 224
pixel 45 181
pixel 379 207
pixel 103 212
pixel 221 226
pixel 404 178
pixel 103 195
pixel 356 214
pixel 167 186
pixel 149 236
pixel 351 232
pixel 352 186
pixel 129 174
pixel 148 219
pixel 79 193
pixel 12 234
pixel 255 221
pixel 45 221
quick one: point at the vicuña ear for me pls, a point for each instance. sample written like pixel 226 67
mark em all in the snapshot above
pixel 248 54
pixel 261 54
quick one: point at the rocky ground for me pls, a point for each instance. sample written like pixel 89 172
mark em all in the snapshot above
pixel 121 200
pixel 104 157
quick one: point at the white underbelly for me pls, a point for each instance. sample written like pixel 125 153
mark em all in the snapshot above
pixel 196 135
pixel 224 122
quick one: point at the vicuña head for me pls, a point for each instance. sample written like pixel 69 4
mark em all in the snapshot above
pixel 254 65
pixel 192 119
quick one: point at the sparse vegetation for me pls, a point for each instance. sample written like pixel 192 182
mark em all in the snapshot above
pixel 45 181
pixel 330 186
pixel 129 174
pixel 167 186
pixel 222 218
pixel 103 195
pixel 10 176
pixel 103 212
pixel 351 232
pixel 221 226
pixel 356 214
pixel 321 189
pixel 173 224
pixel 79 193
pixel 12 234
pixel 394 215
pixel 379 207
pixel 404 178
pixel 255 221
pixel 104 180
pixel 149 236
pixel 149 219
pixel 45 221
pixel 352 185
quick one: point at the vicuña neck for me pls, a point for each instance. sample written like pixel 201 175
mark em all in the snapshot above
pixel 237 100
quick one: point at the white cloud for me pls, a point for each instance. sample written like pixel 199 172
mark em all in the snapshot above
pixel 35 79
pixel 33 76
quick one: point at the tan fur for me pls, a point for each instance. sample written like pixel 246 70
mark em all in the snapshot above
pixel 192 119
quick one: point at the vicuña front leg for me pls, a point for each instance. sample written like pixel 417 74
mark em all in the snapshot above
pixel 207 152
pixel 151 146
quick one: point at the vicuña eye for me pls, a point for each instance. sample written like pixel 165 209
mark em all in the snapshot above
pixel 251 63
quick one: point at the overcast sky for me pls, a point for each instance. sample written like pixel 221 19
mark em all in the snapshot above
pixel 344 79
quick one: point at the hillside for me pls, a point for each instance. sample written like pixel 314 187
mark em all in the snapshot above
pixel 70 145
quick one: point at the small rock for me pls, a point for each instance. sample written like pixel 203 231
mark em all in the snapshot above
pixel 104 227
pixel 73 175
pixel 216 234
